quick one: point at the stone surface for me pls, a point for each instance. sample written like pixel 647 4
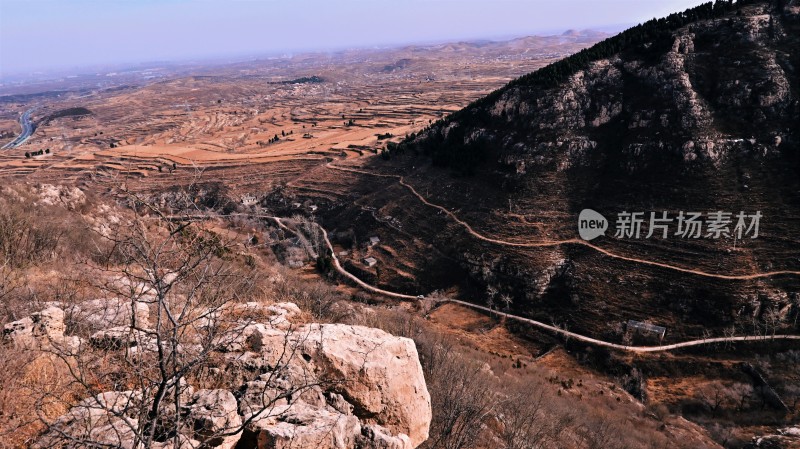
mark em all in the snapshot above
pixel 377 437
pixel 214 415
pixel 69 197
pixel 102 419
pixel 321 386
pixel 121 337
pixel 307 427
pixel 41 330
pixel 380 374
pixel 109 312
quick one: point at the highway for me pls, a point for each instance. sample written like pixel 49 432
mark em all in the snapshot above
pixel 27 129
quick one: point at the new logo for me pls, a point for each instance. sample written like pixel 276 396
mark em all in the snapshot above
pixel 591 224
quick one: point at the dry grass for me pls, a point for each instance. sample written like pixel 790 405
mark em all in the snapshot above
pixel 27 378
pixel 577 407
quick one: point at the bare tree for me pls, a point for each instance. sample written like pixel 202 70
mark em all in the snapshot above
pixel 718 395
pixel 795 297
pixel 310 234
pixel 527 422
pixel 713 396
pixel 793 396
pixel 506 300
pixel 10 281
pixel 462 398
pixel 600 433
pixel 773 319
pixel 729 332
pixel 491 294
pixel 137 378
pixel 722 432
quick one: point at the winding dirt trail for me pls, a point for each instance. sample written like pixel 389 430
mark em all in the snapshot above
pixel 606 252
pixel 641 349
pixel 557 330
pixel 547 327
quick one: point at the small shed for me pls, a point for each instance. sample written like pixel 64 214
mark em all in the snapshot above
pixel 370 262
pixel 646 329
pixel 374 240
pixel 249 199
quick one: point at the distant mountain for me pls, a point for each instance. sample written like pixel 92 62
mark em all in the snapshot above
pixel 530 44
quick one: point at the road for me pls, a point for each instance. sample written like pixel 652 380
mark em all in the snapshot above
pixel 28 127
pixel 492 312
pixel 479 236
pixel 554 329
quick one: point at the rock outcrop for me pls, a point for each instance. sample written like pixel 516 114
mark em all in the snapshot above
pixel 41 330
pixel 365 358
pixel 108 312
pixel 69 197
pixel 283 385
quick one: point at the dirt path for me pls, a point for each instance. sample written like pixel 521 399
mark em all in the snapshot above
pixel 606 252
pixel 641 349
pixel 562 332
pixel 556 330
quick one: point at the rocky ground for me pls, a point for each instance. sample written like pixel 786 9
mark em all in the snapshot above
pixel 83 343
pixel 299 385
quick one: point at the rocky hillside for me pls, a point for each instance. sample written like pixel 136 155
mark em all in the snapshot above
pixel 696 95
pixel 311 386
pixel 124 331
pixel 697 111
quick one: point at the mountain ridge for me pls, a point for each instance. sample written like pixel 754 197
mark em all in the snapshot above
pixel 505 108
pixel 702 120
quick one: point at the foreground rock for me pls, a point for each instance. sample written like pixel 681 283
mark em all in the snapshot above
pixel 41 330
pixel 109 312
pixel 214 416
pixel 282 385
pixel 382 374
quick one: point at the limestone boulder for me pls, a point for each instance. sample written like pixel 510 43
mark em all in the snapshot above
pixel 103 313
pixel 41 330
pixel 304 426
pixel 215 418
pixel 378 373
pixel 282 385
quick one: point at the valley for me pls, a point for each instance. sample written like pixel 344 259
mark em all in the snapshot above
pixel 436 188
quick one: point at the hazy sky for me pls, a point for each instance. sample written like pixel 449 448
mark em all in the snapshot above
pixel 44 34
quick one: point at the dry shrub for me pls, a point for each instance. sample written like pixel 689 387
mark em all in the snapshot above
pixel 475 408
pixel 319 298
pixel 31 236
pixel 530 418
pixel 463 395
pixel 27 236
pixel 27 376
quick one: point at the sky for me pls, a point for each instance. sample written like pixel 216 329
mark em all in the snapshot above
pixel 37 35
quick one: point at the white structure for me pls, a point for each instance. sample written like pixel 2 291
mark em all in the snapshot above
pixel 370 262
pixel 646 329
pixel 249 200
